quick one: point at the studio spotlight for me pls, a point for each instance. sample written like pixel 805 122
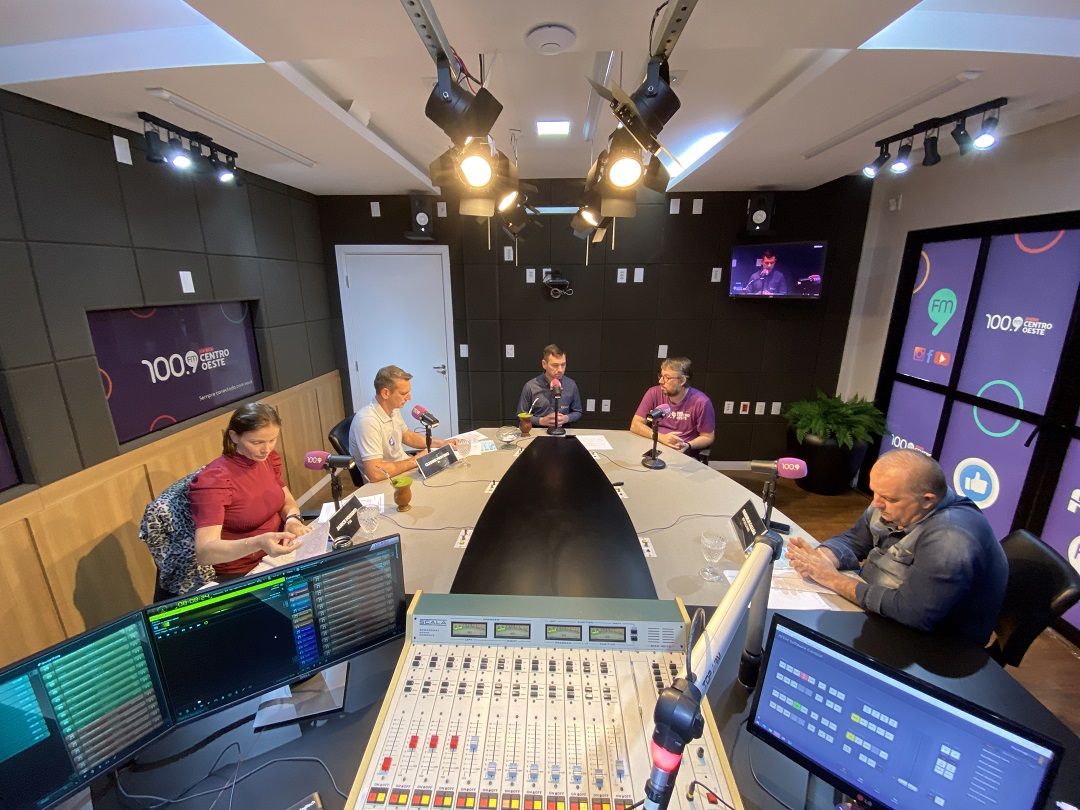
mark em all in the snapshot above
pixel 514 219
pixel 178 155
pixel 459 113
pixel 872 169
pixel 903 159
pixel 960 135
pixel 508 188
pixel 224 172
pixel 624 167
pixel 155 149
pixel 987 136
pixel 657 176
pixel 930 150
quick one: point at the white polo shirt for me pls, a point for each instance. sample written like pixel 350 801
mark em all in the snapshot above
pixel 376 434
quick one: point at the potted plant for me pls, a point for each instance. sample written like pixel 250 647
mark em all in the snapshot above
pixel 832 436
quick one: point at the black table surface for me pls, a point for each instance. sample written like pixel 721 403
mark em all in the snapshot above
pixel 554 526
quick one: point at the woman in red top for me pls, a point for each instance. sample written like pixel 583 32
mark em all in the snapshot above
pixel 242 509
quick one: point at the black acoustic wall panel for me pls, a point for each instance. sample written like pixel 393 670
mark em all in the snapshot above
pixel 225 218
pixel 43 439
pixel 320 340
pixel 23 338
pixel 282 302
pixel 10 223
pixel 159 274
pixel 88 410
pixel 235 278
pixel 67 184
pixel 149 190
pixel 313 289
pixel 271 213
pixel 305 217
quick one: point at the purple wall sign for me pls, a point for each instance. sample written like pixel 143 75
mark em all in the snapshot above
pixel 1023 313
pixel 913 418
pixel 985 459
pixel 1062 528
pixel 938 302
pixel 164 365
pixel 9 476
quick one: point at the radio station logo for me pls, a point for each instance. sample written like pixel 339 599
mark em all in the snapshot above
pixel 1074 502
pixel 977 479
pixel 175 365
pixel 1025 325
pixel 1074 553
pixel 925 355
pixel 941 308
pixel 900 443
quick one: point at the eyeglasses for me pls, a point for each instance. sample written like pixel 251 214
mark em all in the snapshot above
pixel 670 377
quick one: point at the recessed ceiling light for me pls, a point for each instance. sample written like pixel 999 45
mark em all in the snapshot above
pixel 553 128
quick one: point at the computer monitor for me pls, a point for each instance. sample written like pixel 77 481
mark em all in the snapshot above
pixel 226 644
pixel 785 270
pixel 887 739
pixel 77 710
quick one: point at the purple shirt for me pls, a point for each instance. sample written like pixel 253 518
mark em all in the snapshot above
pixel 688 419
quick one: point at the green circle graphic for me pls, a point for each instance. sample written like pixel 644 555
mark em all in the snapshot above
pixel 1020 405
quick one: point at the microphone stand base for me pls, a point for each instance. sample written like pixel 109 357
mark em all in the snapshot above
pixel 653 462
pixel 556 431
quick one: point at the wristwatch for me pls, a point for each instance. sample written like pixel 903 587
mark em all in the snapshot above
pixel 290 517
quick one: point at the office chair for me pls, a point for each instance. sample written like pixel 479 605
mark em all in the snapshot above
pixel 1042 586
pixel 339 440
pixel 168 530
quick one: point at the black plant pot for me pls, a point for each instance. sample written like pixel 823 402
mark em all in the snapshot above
pixel 829 467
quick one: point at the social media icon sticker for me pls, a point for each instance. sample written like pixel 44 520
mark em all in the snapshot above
pixel 978 480
pixel 1074 553
pixel 919 354
pixel 942 358
pixel 941 308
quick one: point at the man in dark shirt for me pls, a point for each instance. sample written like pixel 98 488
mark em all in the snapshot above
pixel 927 556
pixel 768 280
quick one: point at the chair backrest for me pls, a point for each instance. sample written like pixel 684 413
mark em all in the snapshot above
pixel 168 530
pixel 339 440
pixel 1042 586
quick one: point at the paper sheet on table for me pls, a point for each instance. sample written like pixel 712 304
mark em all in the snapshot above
pixel 781 598
pixel 328 509
pixel 595 442
pixel 485 446
pixel 470 436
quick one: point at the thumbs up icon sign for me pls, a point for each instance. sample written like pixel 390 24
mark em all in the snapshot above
pixel 976 483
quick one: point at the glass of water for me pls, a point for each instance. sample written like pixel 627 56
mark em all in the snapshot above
pixel 714 541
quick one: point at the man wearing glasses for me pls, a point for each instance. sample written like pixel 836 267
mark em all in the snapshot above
pixel 691 425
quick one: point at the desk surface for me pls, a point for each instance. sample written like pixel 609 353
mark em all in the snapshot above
pixel 671 507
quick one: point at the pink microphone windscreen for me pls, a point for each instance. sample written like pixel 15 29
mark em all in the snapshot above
pixel 315 459
pixel 556 383
pixel 418 411
pixel 788 467
pixel 665 408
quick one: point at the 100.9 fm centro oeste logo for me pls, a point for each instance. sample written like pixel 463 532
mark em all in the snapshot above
pixel 175 365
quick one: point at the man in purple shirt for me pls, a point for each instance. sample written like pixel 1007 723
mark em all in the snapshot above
pixel 690 426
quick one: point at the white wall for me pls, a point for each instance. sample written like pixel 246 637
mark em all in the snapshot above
pixel 1035 172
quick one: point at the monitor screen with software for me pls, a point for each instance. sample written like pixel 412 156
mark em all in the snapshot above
pixel 77 710
pixel 787 270
pixel 888 739
pixel 226 644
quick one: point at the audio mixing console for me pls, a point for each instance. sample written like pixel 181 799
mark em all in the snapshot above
pixel 533 703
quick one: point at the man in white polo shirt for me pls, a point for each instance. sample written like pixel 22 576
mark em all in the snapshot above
pixel 378 436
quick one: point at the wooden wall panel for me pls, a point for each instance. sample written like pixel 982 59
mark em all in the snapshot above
pixel 195 449
pixel 331 407
pixel 28 618
pixel 90 548
pixel 300 432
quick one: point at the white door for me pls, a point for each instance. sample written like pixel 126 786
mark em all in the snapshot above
pixel 395 300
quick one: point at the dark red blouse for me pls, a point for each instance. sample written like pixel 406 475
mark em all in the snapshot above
pixel 242 496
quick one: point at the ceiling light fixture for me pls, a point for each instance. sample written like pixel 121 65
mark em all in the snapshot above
pixel 624 166
pixel 558 128
pixel 903 159
pixel 216 158
pixel 872 169
pixel 987 136
pixel 225 123
pixel 930 128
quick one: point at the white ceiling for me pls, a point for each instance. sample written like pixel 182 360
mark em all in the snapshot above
pixel 784 78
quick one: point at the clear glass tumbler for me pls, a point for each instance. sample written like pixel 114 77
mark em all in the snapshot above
pixel 713 545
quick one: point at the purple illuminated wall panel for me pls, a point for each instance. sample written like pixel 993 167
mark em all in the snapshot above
pixel 9 476
pixel 938 302
pixel 985 459
pixel 1023 313
pixel 913 418
pixel 164 365
pixel 1062 527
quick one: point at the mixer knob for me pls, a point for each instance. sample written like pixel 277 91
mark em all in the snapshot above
pixel 491 770
pixel 534 772
pixel 474 741
pixel 577 774
pixel 599 779
pixel 620 768
pixel 511 771
pixel 555 771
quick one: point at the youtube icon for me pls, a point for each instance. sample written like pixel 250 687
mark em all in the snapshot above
pixel 942 358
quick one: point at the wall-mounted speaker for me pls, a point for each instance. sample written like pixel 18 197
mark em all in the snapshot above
pixel 422 221
pixel 759 212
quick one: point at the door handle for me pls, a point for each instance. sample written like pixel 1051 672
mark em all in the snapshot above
pixel 441 369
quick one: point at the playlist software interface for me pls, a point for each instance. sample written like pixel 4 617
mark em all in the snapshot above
pixel 900 745
pixel 238 640
pixel 75 712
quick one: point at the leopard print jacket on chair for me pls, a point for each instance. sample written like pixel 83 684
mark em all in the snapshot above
pixel 168 530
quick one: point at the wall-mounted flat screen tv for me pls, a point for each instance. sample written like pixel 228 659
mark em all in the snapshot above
pixel 787 270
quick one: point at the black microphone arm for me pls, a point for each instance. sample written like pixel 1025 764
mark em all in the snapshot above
pixel 557 431
pixel 677 717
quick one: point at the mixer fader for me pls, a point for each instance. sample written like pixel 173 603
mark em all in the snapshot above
pixel 532 703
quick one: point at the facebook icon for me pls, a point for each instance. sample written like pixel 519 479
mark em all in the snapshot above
pixel 978 480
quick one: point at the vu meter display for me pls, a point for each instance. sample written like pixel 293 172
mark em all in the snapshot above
pixel 468 629
pixel 562 632
pixel 599 633
pixel 521 630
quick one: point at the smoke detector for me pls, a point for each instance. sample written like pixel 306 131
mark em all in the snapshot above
pixel 550 38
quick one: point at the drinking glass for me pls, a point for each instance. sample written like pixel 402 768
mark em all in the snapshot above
pixel 713 544
pixel 368 517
